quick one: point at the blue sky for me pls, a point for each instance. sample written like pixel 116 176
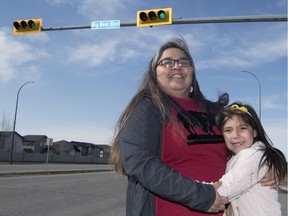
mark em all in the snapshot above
pixel 85 78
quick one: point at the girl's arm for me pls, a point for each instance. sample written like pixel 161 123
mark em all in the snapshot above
pixel 242 173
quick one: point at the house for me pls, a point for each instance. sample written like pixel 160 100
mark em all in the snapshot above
pixel 34 143
pixel 92 149
pixel 87 148
pixel 6 141
pixel 73 148
pixel 64 147
pixel 105 150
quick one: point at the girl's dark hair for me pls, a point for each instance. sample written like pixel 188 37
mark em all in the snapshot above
pixel 150 88
pixel 272 157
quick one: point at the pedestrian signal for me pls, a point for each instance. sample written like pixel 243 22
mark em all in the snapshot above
pixel 27 26
pixel 153 17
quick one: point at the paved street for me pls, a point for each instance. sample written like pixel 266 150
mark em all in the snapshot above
pixel 80 194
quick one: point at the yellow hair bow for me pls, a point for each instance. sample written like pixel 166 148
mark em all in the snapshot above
pixel 242 108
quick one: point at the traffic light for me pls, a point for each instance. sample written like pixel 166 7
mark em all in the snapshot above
pixel 162 16
pixel 27 26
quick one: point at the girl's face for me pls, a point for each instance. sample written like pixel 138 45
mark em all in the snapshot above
pixel 176 79
pixel 237 134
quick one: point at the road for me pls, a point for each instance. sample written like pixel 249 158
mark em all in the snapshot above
pixel 78 194
pixel 85 194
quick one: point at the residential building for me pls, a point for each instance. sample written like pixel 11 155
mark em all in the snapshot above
pixel 6 141
pixel 34 143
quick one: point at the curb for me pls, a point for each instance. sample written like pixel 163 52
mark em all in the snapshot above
pixel 15 174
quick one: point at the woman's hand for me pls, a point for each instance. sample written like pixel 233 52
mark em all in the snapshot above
pixel 270 180
pixel 219 203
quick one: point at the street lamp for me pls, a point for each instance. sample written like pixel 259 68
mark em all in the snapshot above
pixel 259 90
pixel 12 143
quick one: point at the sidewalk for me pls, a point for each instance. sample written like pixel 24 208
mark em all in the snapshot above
pixel 41 168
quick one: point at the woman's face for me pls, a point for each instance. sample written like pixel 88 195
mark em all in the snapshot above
pixel 175 80
pixel 237 134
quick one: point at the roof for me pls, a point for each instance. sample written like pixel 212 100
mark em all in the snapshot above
pixel 7 133
pixel 34 137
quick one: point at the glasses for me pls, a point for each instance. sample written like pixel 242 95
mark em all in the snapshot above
pixel 169 63
pixel 242 108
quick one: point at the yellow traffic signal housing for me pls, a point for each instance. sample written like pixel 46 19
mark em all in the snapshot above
pixel 162 16
pixel 27 26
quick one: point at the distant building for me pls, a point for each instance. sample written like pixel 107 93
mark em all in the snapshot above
pixel 73 148
pixel 6 141
pixel 91 149
pixel 34 143
pixel 38 144
pixel 64 147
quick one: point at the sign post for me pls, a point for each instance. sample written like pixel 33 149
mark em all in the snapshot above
pixel 49 141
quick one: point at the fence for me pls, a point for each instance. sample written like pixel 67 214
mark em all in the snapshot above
pixel 34 157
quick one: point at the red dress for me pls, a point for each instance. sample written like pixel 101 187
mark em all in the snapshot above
pixel 200 154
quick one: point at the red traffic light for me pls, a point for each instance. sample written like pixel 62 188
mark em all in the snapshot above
pixel 17 25
pixel 143 16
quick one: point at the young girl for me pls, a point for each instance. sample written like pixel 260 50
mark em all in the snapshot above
pixel 252 155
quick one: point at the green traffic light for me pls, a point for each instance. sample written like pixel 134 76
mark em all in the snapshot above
pixel 161 15
pixel 31 24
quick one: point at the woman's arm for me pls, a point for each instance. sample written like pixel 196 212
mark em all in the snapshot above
pixel 270 180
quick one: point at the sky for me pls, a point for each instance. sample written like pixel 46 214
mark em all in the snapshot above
pixel 85 78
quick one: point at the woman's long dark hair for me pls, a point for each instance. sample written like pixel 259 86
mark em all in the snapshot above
pixel 150 88
pixel 272 157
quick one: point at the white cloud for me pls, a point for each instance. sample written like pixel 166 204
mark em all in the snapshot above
pixel 93 55
pixel 265 51
pixel 95 9
pixel 129 53
pixel 58 2
pixel 15 53
pixel 248 51
pixel 275 102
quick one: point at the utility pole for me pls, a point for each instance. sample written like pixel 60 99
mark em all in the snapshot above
pixel 259 84
pixel 14 125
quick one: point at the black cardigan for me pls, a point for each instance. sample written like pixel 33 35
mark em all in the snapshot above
pixel 148 175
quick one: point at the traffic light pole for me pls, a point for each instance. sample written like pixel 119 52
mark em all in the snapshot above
pixel 204 20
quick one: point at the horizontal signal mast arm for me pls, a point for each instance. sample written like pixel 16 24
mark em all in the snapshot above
pixel 205 20
pixel 235 19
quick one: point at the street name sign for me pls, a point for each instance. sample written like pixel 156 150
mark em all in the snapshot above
pixel 105 24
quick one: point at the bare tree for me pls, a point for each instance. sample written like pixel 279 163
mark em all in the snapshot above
pixel 5 123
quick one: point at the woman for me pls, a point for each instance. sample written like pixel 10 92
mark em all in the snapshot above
pixel 167 137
